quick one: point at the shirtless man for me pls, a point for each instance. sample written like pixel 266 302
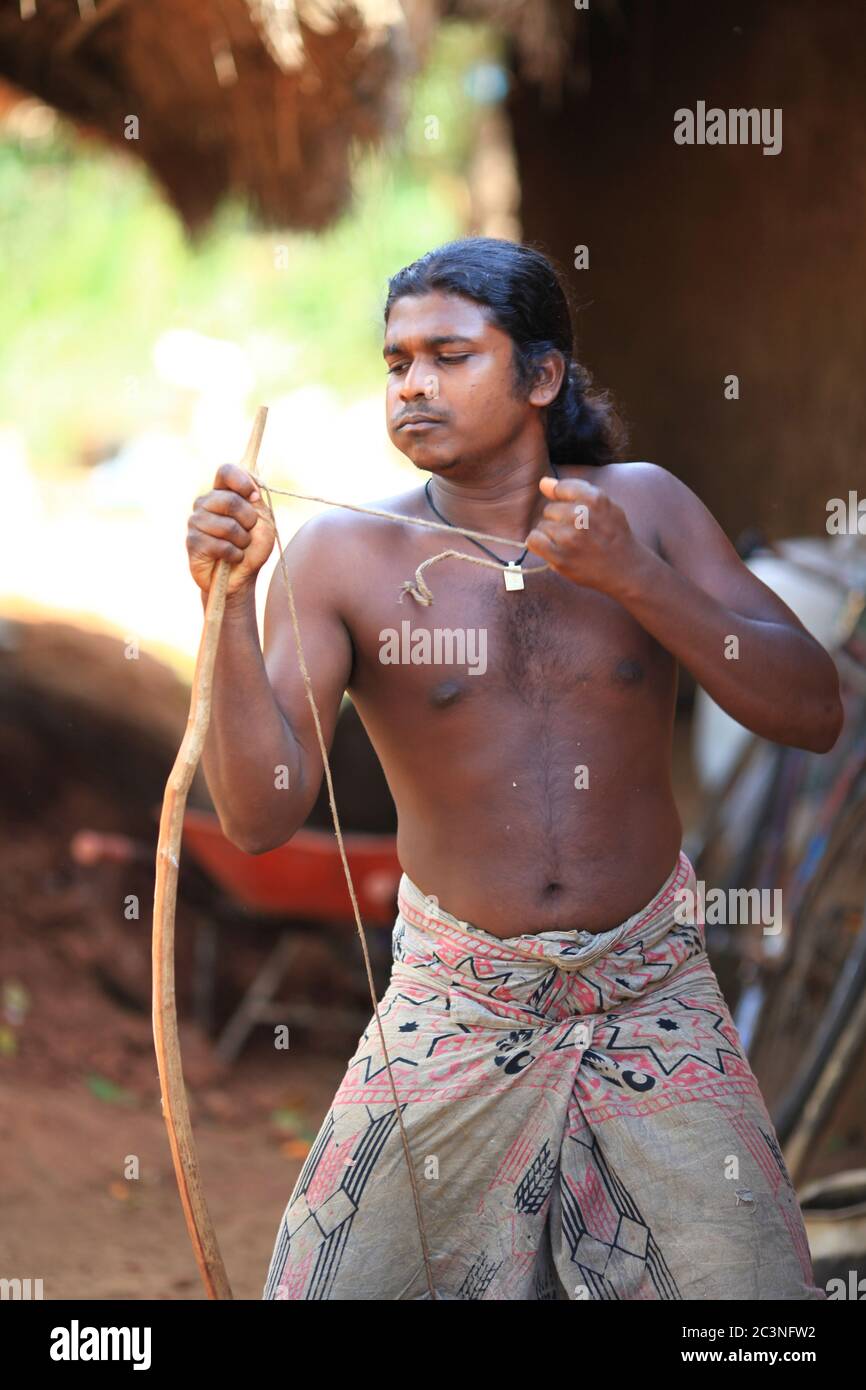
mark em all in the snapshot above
pixel 533 797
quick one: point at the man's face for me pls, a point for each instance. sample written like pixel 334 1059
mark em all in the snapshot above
pixel 448 362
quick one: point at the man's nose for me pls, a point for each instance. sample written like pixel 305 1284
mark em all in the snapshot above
pixel 419 381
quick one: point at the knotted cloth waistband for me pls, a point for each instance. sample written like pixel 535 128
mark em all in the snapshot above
pixel 542 976
pixel 569 950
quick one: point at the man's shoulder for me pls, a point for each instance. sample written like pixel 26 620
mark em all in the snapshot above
pixel 348 522
pixel 640 481
pixel 638 474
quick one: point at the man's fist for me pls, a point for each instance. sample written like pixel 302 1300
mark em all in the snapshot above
pixel 584 535
pixel 225 524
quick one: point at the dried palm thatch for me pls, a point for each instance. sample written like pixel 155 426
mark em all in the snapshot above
pixel 265 98
pixel 262 97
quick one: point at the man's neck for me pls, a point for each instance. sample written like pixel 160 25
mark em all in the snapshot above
pixel 506 501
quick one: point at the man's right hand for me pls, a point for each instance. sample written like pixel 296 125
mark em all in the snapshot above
pixel 226 525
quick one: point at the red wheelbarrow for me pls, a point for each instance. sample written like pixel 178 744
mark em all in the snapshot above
pixel 303 884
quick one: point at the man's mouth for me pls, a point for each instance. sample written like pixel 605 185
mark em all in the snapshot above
pixel 416 421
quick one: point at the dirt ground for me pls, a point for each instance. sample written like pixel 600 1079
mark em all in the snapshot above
pixel 69 1217
pixel 88 1201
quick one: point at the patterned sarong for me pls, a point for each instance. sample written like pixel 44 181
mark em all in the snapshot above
pixel 583 1121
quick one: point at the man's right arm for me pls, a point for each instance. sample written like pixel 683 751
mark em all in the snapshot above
pixel 261 757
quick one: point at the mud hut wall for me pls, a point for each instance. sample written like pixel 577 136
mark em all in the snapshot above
pixel 708 261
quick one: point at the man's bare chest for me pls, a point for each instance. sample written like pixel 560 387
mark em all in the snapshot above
pixel 478 640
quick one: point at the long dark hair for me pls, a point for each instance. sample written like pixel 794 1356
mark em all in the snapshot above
pixel 526 295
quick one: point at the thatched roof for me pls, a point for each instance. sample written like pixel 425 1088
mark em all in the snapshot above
pixel 251 95
pixel 262 97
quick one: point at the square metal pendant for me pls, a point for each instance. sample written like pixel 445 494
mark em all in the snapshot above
pixel 513 576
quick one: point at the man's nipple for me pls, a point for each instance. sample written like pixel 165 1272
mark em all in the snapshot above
pixel 446 693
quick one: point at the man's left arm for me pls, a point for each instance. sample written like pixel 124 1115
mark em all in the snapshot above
pixel 694 598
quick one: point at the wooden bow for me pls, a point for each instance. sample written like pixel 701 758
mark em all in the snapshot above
pixel 174 1101
pixel 175 1108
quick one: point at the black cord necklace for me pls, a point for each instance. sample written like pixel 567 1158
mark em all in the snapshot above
pixel 517 579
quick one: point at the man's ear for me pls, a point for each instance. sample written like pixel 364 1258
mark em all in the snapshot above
pixel 549 375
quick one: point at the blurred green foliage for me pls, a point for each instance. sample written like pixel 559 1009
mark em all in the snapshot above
pixel 96 266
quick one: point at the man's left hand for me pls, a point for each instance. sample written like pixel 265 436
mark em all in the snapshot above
pixel 593 545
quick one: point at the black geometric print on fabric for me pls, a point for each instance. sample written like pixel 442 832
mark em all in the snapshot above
pixel 365 1155
pixel 397 937
pixel 711 1056
pixel 773 1145
pixel 633 1235
pixel 478 1278
pixel 538 996
pixel 511 1055
pixel 491 983
pixel 546 1285
pixel 629 1077
pixel 314 1157
pixel 534 1187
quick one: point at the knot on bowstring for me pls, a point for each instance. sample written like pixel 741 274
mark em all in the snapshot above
pixel 409 588
pixel 419 591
